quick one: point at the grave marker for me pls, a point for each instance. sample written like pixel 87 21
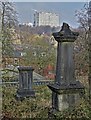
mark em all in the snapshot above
pixel 65 90
pixel 25 82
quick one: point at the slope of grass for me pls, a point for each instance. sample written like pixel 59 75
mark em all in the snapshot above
pixel 39 106
pixel 29 107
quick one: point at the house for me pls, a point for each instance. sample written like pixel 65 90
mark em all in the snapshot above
pixel 49 72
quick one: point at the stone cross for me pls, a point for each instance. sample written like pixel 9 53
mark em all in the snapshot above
pixel 65 86
pixel 25 82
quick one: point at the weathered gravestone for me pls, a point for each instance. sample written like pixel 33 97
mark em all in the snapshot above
pixel 25 82
pixel 66 89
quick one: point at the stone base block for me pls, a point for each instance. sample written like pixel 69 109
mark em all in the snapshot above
pixel 66 101
pixel 25 93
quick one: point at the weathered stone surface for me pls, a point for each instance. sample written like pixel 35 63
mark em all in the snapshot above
pixel 65 89
pixel 65 34
pixel 25 82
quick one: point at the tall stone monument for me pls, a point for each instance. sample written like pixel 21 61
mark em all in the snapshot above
pixel 65 90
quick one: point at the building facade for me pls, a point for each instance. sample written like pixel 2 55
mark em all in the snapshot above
pixel 46 19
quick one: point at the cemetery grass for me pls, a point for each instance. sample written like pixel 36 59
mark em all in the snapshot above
pixel 39 106
pixel 36 107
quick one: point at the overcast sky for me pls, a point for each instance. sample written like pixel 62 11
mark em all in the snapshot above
pixel 66 10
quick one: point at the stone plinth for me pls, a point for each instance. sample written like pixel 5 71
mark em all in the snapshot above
pixel 25 82
pixel 66 95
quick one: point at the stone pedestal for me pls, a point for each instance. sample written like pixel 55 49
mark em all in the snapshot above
pixel 66 95
pixel 66 89
pixel 25 82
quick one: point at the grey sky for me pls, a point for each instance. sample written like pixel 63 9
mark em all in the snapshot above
pixel 66 10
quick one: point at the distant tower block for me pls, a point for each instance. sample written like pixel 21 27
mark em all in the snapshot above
pixel 46 19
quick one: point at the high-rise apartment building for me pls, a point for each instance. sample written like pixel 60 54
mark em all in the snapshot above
pixel 46 18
